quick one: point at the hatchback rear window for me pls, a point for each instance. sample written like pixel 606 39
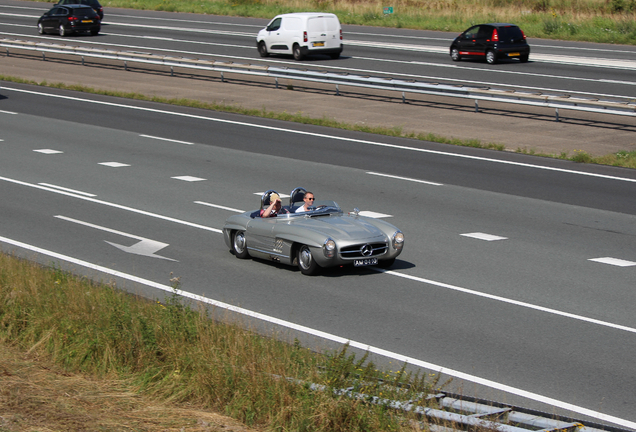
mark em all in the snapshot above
pixel 83 11
pixel 510 33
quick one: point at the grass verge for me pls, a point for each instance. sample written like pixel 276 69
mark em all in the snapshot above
pixel 171 353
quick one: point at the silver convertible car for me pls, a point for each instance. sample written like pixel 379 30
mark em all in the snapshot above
pixel 323 236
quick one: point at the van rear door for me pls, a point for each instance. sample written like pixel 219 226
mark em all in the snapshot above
pixel 323 32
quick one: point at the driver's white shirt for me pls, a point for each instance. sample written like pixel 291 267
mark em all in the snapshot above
pixel 301 209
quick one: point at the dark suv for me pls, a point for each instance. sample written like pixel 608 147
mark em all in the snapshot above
pixel 92 3
pixel 69 19
pixel 491 41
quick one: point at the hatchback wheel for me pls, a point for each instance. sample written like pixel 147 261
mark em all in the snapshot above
pixel 62 30
pixel 40 29
pixel 523 58
pixel 491 57
pixel 455 54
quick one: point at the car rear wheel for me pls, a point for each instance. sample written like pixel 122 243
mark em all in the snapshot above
pixel 455 54
pixel 94 32
pixel 491 57
pixel 523 58
pixel 306 262
pixel 62 30
pixel 239 245
pixel 262 49
pixel 298 54
pixel 335 56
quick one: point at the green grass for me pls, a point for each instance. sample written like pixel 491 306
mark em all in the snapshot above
pixel 184 354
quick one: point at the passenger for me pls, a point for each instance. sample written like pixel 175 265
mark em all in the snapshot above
pixel 309 202
pixel 274 207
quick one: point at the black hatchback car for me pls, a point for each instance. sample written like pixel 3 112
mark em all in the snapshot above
pixel 69 19
pixel 493 42
pixel 97 7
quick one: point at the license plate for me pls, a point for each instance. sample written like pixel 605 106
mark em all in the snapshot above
pixel 365 262
pixel 513 54
pixel 87 21
pixel 318 44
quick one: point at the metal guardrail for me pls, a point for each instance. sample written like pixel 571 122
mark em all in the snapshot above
pixel 454 413
pixel 511 96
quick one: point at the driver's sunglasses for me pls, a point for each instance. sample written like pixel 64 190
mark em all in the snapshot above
pixel 311 199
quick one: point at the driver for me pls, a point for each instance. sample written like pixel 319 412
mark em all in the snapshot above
pixel 309 202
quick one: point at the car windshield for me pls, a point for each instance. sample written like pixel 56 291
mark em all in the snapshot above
pixel 321 208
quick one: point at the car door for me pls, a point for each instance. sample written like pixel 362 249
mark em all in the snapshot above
pixel 275 41
pixel 467 41
pixel 52 18
pixel 260 234
pixel 483 40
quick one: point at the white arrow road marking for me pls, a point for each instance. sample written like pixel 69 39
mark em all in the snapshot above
pixel 145 247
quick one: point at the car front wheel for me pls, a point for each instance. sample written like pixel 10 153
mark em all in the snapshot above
pixel 455 54
pixel 306 262
pixel 298 54
pixel 239 245
pixel 491 57
pixel 262 49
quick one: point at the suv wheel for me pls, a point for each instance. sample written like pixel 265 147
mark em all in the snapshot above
pixel 298 54
pixel 491 57
pixel 40 29
pixel 62 30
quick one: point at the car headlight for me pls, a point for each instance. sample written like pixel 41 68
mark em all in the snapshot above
pixel 398 240
pixel 329 248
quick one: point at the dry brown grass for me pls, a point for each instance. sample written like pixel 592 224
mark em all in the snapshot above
pixel 36 395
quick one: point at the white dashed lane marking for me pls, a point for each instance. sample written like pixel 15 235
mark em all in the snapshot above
pixel 189 178
pixel 614 261
pixel 48 151
pixel 484 236
pixel 114 164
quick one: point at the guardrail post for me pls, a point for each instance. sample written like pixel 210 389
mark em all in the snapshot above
pixel 403 98
pixel 125 65
pixel 476 105
pixel 7 51
pixel 557 115
pixel 82 60
pixel 222 77
pixel 43 56
pixel 171 71
pixel 337 90
pixel 276 82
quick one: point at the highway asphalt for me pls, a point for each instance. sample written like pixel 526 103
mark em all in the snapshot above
pixel 531 129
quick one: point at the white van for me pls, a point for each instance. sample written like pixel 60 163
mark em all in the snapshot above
pixel 301 34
